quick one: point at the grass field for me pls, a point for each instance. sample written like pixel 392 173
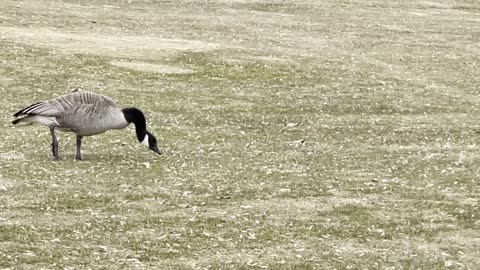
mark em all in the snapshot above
pixel 296 135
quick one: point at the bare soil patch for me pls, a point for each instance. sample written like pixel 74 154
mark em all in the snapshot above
pixel 155 68
pixel 119 45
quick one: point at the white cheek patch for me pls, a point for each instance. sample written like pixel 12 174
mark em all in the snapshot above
pixel 145 141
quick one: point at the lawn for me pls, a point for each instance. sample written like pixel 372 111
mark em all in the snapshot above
pixel 295 135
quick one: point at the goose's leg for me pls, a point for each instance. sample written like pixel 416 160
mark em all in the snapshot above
pixel 79 144
pixel 54 143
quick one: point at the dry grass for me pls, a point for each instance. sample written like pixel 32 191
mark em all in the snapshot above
pixel 305 134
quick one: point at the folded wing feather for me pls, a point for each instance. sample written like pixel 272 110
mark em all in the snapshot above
pixel 59 105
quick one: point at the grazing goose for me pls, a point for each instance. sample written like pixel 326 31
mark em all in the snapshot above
pixel 85 114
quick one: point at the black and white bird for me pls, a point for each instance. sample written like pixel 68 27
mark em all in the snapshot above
pixel 85 114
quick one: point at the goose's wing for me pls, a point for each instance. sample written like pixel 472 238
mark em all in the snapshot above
pixel 68 102
pixel 91 119
pixel 86 118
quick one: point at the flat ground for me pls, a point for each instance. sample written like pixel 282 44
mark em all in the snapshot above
pixel 297 134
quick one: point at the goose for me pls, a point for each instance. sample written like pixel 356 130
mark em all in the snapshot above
pixel 85 114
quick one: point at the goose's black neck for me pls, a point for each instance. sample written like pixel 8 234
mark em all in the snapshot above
pixel 135 116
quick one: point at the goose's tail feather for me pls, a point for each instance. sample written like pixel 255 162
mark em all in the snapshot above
pixel 30 119
pixel 28 109
pixel 20 120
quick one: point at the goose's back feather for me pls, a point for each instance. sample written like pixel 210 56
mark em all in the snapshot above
pixel 57 106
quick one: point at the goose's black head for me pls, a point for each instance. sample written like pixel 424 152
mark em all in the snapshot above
pixel 151 142
pixel 134 115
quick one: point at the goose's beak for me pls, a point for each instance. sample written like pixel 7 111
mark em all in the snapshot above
pixel 156 150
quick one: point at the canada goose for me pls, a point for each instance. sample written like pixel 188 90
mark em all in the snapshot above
pixel 85 114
